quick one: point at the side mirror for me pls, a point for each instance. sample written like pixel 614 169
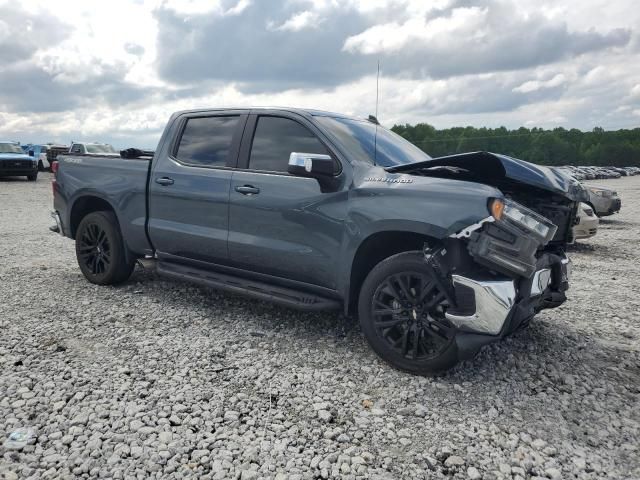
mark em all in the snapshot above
pixel 315 165
pixel 31 154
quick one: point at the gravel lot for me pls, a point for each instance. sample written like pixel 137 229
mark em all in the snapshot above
pixel 163 379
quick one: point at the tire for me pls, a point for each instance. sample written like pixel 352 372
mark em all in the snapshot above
pixel 40 166
pixel 100 250
pixel 33 177
pixel 404 278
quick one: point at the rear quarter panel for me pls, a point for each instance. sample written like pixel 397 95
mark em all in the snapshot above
pixel 120 182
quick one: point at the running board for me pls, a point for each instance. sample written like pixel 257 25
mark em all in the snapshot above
pixel 259 290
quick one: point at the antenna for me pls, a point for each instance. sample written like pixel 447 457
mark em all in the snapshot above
pixel 375 136
pixel 377 88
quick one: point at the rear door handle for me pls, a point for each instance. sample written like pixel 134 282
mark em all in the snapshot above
pixel 164 181
pixel 247 190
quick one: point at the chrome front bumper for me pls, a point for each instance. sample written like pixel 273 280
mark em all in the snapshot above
pixel 493 300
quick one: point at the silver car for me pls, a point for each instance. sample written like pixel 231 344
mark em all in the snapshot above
pixel 604 201
pixel 588 221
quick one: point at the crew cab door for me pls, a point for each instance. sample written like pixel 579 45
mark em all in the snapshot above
pixel 280 224
pixel 189 187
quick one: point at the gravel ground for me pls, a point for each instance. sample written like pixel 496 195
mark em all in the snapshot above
pixel 156 378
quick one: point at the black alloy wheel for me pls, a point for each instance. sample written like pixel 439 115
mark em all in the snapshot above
pixel 95 249
pixel 100 250
pixel 402 315
pixel 408 312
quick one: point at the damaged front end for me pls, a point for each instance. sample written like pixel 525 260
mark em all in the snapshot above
pixel 505 268
pixel 502 271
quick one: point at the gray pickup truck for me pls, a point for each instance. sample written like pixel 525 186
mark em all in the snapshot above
pixel 314 210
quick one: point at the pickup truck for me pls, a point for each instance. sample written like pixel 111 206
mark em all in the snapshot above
pixel 315 210
pixel 14 162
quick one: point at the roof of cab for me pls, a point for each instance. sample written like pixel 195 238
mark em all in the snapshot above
pixel 307 112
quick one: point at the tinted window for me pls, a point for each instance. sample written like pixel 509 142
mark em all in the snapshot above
pixel 276 138
pixel 10 148
pixel 105 148
pixel 371 143
pixel 207 140
pixel 76 149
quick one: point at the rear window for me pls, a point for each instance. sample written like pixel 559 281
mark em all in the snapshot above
pixel 206 141
pixel 104 148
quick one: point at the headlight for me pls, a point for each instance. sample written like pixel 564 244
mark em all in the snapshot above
pixel 602 193
pixel 526 219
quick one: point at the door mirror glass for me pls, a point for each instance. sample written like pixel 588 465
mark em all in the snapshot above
pixel 314 165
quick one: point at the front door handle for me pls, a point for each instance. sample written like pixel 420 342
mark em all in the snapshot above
pixel 247 190
pixel 165 181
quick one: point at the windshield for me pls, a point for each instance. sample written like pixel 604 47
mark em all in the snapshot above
pixel 10 148
pixel 358 137
pixel 106 148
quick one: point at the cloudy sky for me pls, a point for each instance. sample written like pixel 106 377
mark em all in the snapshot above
pixel 115 70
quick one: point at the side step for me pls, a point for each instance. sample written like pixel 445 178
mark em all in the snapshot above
pixel 251 288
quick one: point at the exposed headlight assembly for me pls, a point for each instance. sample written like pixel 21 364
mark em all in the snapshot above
pixel 529 220
pixel 524 218
pixel 509 243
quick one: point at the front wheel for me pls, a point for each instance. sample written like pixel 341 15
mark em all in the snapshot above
pixel 100 250
pixel 33 177
pixel 401 312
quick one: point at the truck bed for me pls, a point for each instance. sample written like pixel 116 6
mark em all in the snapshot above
pixel 118 181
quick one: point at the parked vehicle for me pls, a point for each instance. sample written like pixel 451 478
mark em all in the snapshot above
pixel 15 163
pixel 53 150
pixel 604 201
pixel 315 210
pixel 588 221
pixel 101 149
pixel 39 152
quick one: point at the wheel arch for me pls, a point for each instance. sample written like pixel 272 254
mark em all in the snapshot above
pixel 83 206
pixel 375 248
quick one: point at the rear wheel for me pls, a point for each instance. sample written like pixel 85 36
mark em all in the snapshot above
pixel 100 249
pixel 401 312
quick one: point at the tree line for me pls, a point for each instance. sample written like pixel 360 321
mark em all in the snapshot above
pixel 547 147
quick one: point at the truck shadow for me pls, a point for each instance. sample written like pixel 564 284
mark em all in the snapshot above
pixel 270 316
pixel 545 344
pixel 621 223
pixel 14 180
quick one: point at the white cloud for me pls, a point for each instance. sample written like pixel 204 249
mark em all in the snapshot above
pixel 533 85
pixel 597 87
pixel 393 37
pixel 300 21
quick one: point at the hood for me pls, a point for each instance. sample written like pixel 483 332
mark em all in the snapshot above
pixel 15 156
pixel 599 187
pixel 497 170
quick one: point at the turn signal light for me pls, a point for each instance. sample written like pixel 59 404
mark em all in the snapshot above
pixel 496 207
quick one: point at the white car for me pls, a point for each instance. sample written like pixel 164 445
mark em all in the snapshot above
pixel 587 222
